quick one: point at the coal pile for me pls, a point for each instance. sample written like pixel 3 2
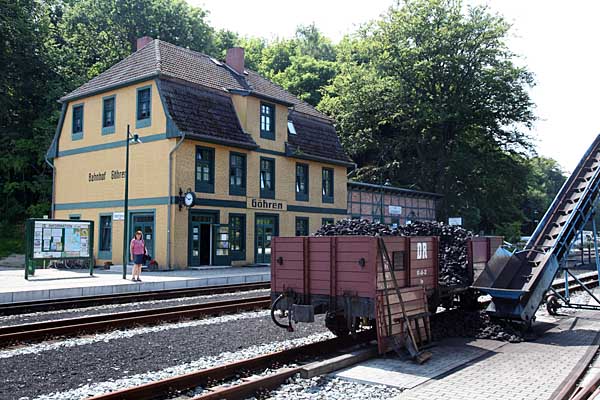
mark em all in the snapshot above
pixel 453 249
pixel 476 324
pixel 453 256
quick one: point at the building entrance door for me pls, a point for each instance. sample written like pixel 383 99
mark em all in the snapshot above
pixel 144 223
pixel 266 227
pixel 200 242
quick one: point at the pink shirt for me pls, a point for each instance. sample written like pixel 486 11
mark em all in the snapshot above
pixel 136 246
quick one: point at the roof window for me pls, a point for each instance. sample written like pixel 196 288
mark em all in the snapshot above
pixel 291 128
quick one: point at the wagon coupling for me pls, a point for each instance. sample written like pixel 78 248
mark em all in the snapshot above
pixel 274 309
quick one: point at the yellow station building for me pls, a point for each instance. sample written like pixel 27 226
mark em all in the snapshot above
pixel 258 161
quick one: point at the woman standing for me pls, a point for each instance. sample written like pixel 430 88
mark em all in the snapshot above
pixel 137 249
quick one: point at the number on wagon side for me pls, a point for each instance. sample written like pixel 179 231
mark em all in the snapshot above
pixel 422 251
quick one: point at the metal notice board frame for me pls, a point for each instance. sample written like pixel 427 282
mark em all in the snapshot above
pixel 58 239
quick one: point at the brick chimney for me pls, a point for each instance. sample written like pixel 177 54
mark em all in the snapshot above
pixel 235 59
pixel 143 41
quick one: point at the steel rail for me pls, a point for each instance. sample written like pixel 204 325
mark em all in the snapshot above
pixel 250 386
pixel 170 386
pixel 569 388
pixel 76 326
pixel 88 301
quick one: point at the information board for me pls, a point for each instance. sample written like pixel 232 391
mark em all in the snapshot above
pixel 61 239
pixel 455 221
pixel 58 239
pixel 395 210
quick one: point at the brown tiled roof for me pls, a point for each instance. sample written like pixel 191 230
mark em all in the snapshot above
pixel 192 83
pixel 315 137
pixel 141 64
pixel 165 59
pixel 203 114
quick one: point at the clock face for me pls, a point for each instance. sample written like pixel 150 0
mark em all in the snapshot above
pixel 189 199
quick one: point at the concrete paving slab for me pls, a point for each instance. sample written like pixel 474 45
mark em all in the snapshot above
pixel 235 280
pixel 96 290
pixel 175 284
pixel 406 374
pixel 65 293
pixel 30 295
pixel 342 361
pixel 528 370
pixel 217 281
pixel 254 278
pixel 6 298
pixel 151 286
pixel 193 283
pixel 53 283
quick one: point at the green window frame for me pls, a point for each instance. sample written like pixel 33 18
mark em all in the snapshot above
pixel 237 174
pixel 327 221
pixel 108 114
pixel 267 178
pixel 327 185
pixel 267 121
pixel 237 236
pixel 77 122
pixel 302 182
pixel 302 226
pixel 105 237
pixel 205 169
pixel 143 109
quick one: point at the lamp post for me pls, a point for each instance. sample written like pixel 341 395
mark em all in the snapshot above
pixel 387 183
pixel 133 138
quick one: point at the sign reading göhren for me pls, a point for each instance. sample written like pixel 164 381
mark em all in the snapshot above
pixel 266 204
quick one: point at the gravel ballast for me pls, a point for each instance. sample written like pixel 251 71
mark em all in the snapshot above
pixel 8 320
pixel 64 367
pixel 93 389
pixel 327 387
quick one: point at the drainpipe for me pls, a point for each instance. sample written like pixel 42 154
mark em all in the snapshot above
pixel 53 178
pixel 170 205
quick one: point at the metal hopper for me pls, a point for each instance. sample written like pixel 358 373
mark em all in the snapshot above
pixel 518 282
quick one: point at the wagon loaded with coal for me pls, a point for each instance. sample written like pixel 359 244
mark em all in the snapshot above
pixel 362 274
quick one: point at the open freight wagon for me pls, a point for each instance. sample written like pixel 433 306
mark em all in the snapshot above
pixel 343 278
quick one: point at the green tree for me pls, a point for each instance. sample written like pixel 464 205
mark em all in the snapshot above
pixel 48 48
pixel 96 34
pixel 544 180
pixel 305 77
pixel 27 111
pixel 430 94
pixel 303 65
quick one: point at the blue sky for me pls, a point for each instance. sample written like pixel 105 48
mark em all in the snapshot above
pixel 557 40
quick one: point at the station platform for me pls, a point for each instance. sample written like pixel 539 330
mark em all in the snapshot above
pixel 69 283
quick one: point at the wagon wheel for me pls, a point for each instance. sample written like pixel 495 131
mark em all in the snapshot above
pixel 552 304
pixel 469 300
pixel 337 324
pixel 433 302
pixel 448 302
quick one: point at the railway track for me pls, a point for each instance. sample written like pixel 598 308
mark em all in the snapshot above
pixel 77 326
pixel 89 301
pixel 578 385
pixel 245 387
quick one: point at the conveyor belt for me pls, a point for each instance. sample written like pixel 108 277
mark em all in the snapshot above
pixel 518 282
